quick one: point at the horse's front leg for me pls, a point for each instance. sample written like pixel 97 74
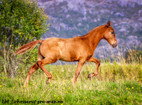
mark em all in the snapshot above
pixel 79 67
pixel 96 70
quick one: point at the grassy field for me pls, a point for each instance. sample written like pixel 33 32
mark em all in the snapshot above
pixel 116 84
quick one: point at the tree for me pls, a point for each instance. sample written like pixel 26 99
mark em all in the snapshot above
pixel 20 22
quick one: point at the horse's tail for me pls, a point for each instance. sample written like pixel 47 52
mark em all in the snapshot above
pixel 27 47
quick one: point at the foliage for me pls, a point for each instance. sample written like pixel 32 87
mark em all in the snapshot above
pixel 21 21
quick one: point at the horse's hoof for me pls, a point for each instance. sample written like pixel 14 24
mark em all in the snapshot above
pixel 90 76
pixel 48 81
pixel 73 82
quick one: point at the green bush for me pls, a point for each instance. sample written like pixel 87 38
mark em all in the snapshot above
pixel 21 21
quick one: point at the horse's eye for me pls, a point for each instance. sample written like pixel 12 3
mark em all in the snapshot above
pixel 112 32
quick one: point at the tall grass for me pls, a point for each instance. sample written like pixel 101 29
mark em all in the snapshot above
pixel 116 83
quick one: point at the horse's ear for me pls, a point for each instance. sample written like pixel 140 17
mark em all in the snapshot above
pixel 108 23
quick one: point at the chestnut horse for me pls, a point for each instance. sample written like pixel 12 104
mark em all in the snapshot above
pixel 79 49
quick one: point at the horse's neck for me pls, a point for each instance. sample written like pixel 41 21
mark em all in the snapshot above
pixel 95 37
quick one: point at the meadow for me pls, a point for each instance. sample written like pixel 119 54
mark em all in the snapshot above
pixel 116 84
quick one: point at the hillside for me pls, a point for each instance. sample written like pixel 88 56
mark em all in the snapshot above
pixel 77 17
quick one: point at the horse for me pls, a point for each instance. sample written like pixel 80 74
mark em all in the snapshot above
pixel 80 49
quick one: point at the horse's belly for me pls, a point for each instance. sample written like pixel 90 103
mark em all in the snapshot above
pixel 69 56
pixel 68 59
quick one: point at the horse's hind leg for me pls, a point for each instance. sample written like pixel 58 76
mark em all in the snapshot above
pixel 44 62
pixel 31 71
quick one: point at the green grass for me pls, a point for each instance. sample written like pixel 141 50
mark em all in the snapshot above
pixel 115 85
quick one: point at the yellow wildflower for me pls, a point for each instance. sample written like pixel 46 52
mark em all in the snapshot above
pixel 132 87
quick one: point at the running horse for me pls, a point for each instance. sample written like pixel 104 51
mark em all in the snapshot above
pixel 80 48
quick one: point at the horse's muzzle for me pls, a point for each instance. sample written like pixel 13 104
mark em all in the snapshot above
pixel 114 45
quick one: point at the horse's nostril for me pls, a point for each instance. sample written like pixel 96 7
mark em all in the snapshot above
pixel 114 45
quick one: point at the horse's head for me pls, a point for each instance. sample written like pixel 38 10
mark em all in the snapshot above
pixel 109 35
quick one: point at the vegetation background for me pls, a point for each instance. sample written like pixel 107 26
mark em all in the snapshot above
pixel 119 80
